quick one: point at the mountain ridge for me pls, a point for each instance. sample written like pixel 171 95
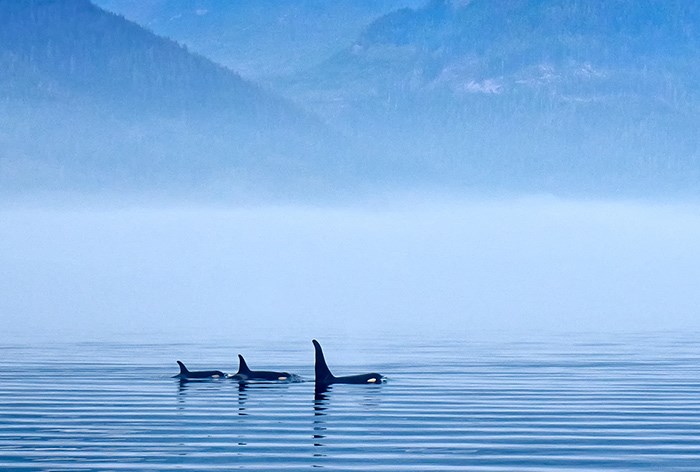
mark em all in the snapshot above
pixel 524 92
pixel 141 107
pixel 261 40
pixel 521 94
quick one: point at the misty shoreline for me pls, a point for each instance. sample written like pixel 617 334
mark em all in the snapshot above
pixel 529 264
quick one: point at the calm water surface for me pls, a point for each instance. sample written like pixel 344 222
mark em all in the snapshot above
pixel 551 403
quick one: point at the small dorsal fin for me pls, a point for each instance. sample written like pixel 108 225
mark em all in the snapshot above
pixel 183 369
pixel 242 366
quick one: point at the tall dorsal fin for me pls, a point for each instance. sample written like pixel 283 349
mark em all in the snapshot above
pixel 183 369
pixel 242 366
pixel 323 373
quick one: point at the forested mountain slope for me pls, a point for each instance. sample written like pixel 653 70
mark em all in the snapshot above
pixel 88 98
pixel 535 92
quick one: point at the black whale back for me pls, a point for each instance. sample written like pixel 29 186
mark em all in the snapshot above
pixel 197 374
pixel 245 373
pixel 324 377
pixel 360 379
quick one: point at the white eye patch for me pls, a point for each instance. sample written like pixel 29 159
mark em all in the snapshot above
pixel 372 380
pixel 282 378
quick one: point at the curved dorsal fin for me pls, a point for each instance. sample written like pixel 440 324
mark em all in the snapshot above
pixel 242 366
pixel 183 369
pixel 323 373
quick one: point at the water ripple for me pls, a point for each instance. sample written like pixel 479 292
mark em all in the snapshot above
pixel 554 405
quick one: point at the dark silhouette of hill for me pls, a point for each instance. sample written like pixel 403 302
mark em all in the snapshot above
pixel 555 95
pixel 261 39
pixel 89 98
pixel 597 93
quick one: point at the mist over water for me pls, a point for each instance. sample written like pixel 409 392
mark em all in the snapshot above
pixel 189 182
pixel 364 271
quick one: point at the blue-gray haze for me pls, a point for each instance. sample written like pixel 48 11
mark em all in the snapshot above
pixel 492 202
pixel 367 271
pixel 574 98
pixel 313 195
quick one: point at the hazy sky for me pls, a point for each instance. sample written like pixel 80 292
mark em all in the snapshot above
pixel 460 266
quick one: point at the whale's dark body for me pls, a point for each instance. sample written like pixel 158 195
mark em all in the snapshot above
pixel 324 377
pixel 197 374
pixel 244 373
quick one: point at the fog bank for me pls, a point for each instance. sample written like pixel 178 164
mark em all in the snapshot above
pixel 518 265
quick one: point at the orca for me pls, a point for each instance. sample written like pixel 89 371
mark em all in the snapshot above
pixel 244 374
pixel 198 374
pixel 324 377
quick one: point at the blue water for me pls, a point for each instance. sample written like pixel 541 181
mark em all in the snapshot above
pixel 549 403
